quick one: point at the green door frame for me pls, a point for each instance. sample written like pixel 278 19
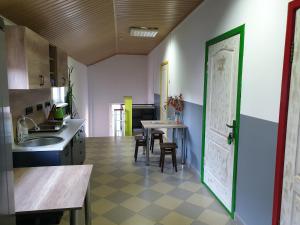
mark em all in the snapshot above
pixel 237 31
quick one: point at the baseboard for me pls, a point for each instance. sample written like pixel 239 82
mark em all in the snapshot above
pixel 193 170
pixel 239 220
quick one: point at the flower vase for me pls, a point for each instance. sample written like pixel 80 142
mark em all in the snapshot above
pixel 177 117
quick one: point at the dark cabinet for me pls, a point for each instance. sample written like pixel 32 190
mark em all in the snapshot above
pixel 66 155
pixel 78 147
pixel 43 158
pixel 142 112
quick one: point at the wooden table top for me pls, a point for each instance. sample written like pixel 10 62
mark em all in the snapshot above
pixel 52 188
pixel 153 124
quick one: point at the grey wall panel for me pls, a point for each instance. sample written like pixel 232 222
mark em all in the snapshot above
pixel 256 169
pixel 192 117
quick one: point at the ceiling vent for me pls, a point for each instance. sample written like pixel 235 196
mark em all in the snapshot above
pixel 143 32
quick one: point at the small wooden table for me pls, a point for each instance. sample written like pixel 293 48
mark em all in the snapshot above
pixel 158 124
pixel 53 188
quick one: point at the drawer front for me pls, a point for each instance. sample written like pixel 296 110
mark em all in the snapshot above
pixel 33 159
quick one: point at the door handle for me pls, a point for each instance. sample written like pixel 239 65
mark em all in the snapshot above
pixel 42 80
pixel 231 136
pixel 64 81
pixel 229 126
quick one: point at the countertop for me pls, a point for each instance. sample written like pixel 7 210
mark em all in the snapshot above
pixel 67 133
pixel 43 189
pixel 161 124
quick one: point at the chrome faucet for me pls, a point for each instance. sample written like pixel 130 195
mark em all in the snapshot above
pixel 22 131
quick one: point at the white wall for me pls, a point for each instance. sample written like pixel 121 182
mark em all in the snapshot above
pixel 184 48
pixel 109 81
pixel 79 80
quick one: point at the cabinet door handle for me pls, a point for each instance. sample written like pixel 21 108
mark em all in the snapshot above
pixel 42 80
pixel 64 81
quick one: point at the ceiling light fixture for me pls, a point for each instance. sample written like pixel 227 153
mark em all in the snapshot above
pixel 143 32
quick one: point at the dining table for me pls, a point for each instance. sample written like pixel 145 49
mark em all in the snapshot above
pixel 148 125
pixel 53 189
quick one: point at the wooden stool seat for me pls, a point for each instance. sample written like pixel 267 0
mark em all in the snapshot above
pixel 168 145
pixel 154 131
pixel 139 141
pixel 156 135
pixel 138 131
pixel 167 149
pixel 140 138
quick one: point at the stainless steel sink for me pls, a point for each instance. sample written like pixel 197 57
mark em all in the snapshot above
pixel 41 141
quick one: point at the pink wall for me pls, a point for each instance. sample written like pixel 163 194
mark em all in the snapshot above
pixel 108 82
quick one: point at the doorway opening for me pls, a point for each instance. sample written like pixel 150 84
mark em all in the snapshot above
pixel 117 120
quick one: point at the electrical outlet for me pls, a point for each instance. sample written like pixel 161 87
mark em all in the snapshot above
pixel 28 110
pixel 47 104
pixel 39 107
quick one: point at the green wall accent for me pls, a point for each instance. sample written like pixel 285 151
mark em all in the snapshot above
pixel 237 31
pixel 128 115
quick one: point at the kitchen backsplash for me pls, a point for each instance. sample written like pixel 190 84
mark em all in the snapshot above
pixel 21 99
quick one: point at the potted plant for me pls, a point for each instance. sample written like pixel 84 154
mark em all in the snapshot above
pixel 178 104
pixel 69 95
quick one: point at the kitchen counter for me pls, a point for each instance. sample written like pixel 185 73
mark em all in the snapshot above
pixel 67 133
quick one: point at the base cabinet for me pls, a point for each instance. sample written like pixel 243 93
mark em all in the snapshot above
pixel 43 158
pixel 78 147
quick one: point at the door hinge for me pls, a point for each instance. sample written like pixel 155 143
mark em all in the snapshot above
pixel 292 52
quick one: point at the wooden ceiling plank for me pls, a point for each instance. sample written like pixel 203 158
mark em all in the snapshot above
pixel 95 29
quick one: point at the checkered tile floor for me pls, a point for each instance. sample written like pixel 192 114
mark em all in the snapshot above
pixel 128 193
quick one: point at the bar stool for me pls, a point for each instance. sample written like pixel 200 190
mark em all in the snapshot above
pixel 139 141
pixel 158 135
pixel 167 149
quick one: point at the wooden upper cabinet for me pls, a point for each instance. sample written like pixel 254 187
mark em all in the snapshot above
pixel 27 59
pixel 62 68
pixel 58 67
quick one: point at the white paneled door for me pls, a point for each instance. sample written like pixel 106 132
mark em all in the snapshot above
pixel 164 91
pixel 164 86
pixel 221 128
pixel 290 207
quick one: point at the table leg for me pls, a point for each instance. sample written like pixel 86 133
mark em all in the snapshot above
pixel 74 217
pixel 173 135
pixel 148 146
pixel 87 207
pixel 183 141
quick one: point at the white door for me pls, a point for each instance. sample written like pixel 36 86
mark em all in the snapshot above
pixel 164 92
pixel 221 100
pixel 164 85
pixel 290 207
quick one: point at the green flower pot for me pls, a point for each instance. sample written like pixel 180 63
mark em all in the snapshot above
pixel 58 114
